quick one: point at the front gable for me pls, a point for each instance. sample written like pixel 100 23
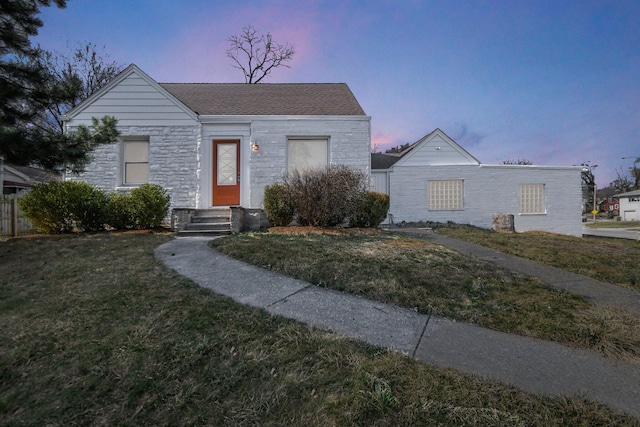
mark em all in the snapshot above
pixel 436 149
pixel 135 99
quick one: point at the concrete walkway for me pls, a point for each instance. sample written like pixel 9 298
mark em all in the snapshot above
pixel 616 233
pixel 594 290
pixel 533 365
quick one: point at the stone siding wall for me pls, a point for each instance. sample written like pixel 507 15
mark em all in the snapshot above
pixel 173 162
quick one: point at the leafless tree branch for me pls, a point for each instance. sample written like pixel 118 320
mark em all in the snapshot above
pixel 256 55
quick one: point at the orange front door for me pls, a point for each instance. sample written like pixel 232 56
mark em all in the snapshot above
pixel 226 172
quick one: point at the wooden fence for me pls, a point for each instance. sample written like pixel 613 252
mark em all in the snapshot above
pixel 12 222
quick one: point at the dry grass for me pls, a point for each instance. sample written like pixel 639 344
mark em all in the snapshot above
pixel 429 278
pixel 95 331
pixel 608 260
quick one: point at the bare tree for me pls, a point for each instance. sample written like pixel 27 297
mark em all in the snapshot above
pixel 257 54
pixel 628 182
pixel 517 161
pixel 72 77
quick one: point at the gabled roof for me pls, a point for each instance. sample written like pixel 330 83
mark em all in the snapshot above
pixel 26 176
pixel 628 194
pixel 132 69
pixel 335 99
pixel 387 160
pixel 224 99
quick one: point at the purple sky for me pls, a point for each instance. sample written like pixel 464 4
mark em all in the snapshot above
pixel 555 82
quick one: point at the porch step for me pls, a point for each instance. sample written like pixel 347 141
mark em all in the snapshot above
pixel 208 222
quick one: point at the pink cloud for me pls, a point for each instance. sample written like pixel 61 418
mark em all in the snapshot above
pixel 198 52
pixel 383 141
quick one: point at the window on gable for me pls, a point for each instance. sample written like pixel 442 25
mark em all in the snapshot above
pixel 531 199
pixel 136 161
pixel 307 154
pixel 445 195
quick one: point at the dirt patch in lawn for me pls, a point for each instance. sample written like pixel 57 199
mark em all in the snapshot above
pixel 335 231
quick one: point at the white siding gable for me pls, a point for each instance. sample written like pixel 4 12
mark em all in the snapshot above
pixel 437 149
pixel 135 99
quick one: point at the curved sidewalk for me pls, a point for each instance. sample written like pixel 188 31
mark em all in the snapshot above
pixel 531 364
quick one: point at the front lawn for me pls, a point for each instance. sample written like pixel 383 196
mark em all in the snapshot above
pixel 95 331
pixel 429 278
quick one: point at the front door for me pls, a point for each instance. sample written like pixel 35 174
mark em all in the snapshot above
pixel 226 172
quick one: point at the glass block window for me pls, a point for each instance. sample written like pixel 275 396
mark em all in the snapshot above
pixel 531 199
pixel 445 195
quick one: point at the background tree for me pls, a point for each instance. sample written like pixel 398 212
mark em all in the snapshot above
pixel 71 78
pixel 256 55
pixel 588 185
pixel 31 89
pixel 517 161
pixel 398 148
pixel 627 181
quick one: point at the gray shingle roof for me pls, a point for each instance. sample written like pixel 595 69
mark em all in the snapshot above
pixel 383 160
pixel 334 99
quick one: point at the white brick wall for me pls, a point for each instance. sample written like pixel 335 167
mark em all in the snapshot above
pixel 489 190
pixel 349 144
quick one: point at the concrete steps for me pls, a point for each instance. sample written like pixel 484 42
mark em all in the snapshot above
pixel 208 222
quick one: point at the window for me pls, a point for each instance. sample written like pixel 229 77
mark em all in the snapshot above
pixel 445 195
pixel 531 199
pixel 136 161
pixel 307 154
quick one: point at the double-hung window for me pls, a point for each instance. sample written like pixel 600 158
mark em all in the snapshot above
pixel 307 154
pixel 531 199
pixel 445 195
pixel 136 161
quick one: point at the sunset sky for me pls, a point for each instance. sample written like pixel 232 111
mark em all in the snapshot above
pixel 554 82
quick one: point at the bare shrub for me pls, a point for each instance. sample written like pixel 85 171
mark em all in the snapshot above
pixel 326 197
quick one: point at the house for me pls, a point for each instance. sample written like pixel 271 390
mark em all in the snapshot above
pixel 14 179
pixel 629 205
pixel 217 145
pixel 610 206
pixel 435 179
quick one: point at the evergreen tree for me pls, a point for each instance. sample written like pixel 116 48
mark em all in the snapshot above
pixel 31 91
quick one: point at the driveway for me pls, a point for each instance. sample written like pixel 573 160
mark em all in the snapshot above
pixel 617 233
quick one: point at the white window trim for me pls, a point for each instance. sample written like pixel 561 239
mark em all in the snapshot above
pixel 123 163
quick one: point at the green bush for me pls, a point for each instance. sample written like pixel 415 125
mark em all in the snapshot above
pixel 277 205
pixel 59 207
pixel 120 213
pixel 45 206
pixel 372 211
pixel 62 207
pixel 326 197
pixel 88 205
pixel 150 205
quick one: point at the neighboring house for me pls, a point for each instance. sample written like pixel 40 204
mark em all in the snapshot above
pixel 629 205
pixel 435 179
pixel 14 179
pixel 213 145
pixel 610 206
